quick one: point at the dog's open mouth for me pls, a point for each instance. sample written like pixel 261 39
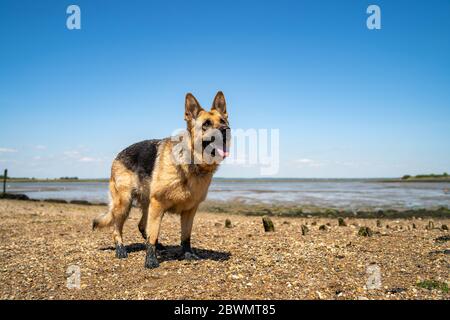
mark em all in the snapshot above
pixel 217 147
pixel 220 150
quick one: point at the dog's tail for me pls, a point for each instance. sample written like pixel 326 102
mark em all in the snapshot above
pixel 102 221
pixel 106 219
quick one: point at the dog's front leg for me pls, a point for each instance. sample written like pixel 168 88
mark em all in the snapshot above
pixel 155 215
pixel 187 219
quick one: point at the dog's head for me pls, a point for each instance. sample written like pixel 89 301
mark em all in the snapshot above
pixel 209 130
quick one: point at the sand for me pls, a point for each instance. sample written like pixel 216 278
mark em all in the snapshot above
pixel 42 243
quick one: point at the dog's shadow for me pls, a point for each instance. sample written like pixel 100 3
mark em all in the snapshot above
pixel 175 252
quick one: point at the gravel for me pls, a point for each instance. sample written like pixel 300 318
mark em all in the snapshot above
pixel 44 245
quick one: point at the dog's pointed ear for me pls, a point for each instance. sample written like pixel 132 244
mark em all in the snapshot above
pixel 220 104
pixel 192 108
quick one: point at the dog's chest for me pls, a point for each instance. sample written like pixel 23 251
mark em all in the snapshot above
pixel 186 194
pixel 196 189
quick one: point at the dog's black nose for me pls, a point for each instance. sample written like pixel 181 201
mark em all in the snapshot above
pixel 224 130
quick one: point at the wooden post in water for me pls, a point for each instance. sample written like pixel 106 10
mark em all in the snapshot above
pixel 4 180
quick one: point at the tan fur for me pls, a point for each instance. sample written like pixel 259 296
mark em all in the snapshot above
pixel 176 188
pixel 121 185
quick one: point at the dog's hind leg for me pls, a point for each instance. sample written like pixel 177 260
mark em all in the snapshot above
pixel 144 203
pixel 120 213
pixel 121 201
pixel 119 208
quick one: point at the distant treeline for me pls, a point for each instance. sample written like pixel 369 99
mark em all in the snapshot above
pixel 10 178
pixel 33 178
pixel 61 179
pixel 425 176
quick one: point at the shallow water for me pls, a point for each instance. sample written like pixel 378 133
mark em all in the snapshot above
pixel 321 193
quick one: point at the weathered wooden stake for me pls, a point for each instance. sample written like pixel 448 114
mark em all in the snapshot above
pixel 4 180
pixel 304 230
pixel 268 224
pixel 365 232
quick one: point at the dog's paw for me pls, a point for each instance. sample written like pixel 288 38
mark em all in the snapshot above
pixel 191 256
pixel 151 263
pixel 121 251
pixel 150 259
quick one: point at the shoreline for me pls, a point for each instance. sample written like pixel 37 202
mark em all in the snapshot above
pixel 298 211
pixel 276 210
pixel 237 180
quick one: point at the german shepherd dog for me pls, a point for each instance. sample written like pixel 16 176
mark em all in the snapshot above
pixel 168 175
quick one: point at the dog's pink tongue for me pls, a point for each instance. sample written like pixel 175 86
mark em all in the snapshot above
pixel 223 153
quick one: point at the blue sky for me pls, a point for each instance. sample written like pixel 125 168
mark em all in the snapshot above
pixel 348 101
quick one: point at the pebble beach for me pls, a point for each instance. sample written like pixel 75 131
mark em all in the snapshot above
pixel 303 258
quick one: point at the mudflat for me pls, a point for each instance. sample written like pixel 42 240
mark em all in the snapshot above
pixel 43 243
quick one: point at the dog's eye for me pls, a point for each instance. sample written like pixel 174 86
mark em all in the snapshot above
pixel 222 121
pixel 206 124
